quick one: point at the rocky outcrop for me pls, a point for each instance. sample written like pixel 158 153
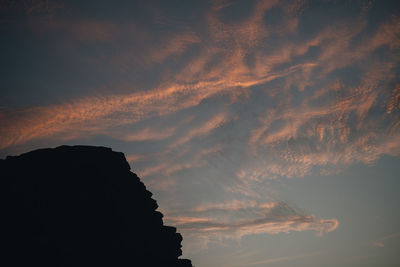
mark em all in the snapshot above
pixel 81 206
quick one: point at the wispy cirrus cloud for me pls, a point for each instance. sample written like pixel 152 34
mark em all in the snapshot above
pixel 380 242
pixel 230 105
pixel 233 73
pixel 283 259
pixel 84 115
pixel 174 46
pixel 148 134
pixel 203 130
pixel 318 117
pixel 227 220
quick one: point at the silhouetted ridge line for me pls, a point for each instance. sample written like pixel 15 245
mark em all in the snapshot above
pixel 81 206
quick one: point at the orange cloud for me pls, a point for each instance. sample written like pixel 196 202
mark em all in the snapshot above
pixel 310 119
pixel 180 161
pixel 283 259
pixel 341 130
pixel 174 46
pixel 131 158
pixel 337 136
pixel 93 114
pixel 235 205
pixel 203 130
pixel 148 134
pixel 261 218
pixel 394 102
pixel 380 242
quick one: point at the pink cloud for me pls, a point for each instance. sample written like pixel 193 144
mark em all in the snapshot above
pixel 174 46
pixel 202 130
pixel 148 134
pixel 380 242
pixel 261 218
pixel 283 259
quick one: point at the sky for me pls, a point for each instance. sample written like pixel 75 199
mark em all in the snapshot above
pixel 268 131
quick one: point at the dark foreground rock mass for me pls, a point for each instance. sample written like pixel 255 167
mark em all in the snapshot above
pixel 81 206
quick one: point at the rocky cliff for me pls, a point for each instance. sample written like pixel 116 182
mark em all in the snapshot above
pixel 81 206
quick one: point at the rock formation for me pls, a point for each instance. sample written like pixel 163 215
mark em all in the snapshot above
pixel 81 206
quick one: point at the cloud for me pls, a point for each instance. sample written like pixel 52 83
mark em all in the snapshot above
pixel 174 46
pixel 234 205
pixel 380 242
pixel 339 133
pixel 283 259
pixel 32 8
pixel 394 102
pixel 168 162
pixel 131 158
pixel 148 134
pixel 242 102
pixel 202 130
pixel 227 220
pixel 98 113
pixel 292 95
pixel 245 32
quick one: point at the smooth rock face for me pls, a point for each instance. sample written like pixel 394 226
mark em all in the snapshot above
pixel 81 206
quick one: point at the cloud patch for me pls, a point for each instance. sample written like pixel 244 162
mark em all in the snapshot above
pixel 227 220
pixel 226 105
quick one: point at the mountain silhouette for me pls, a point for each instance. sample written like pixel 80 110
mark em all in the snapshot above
pixel 81 206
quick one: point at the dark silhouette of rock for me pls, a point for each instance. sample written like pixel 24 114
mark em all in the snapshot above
pixel 81 206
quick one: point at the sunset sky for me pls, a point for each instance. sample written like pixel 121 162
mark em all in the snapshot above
pixel 268 131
